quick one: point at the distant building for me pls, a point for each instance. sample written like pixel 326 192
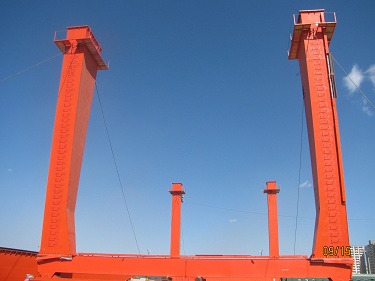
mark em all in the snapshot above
pixel 364 266
pixel 370 257
pixel 363 277
pixel 357 255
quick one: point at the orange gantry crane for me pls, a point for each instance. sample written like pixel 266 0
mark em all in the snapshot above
pixel 330 258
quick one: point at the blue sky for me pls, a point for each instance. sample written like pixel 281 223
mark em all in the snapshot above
pixel 198 92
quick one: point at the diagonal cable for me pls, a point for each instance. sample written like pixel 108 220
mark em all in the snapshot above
pixel 359 90
pixel 299 182
pixel 28 68
pixel 117 171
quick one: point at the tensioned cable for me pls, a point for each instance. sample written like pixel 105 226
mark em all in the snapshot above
pixel 117 171
pixel 240 211
pixel 183 241
pixel 290 36
pixel 66 74
pixel 264 214
pixel 181 227
pixel 299 180
pixel 359 90
pixel 28 68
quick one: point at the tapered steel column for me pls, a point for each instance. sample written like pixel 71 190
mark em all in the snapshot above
pixel 310 45
pixel 80 64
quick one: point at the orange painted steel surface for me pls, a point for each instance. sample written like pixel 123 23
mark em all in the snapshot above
pixel 80 64
pixel 188 267
pixel 273 225
pixel 310 41
pixel 330 259
pixel 177 193
pixel 15 264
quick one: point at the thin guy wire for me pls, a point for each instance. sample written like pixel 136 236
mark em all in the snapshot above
pixel 299 181
pixel 240 211
pixel 67 72
pixel 182 231
pixel 117 171
pixel 359 90
pixel 263 214
pixel 183 241
pixel 290 36
pixel 28 68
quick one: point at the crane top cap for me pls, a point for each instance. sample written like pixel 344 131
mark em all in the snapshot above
pixel 310 16
pixel 177 189
pixel 303 22
pixel 314 16
pixel 271 188
pixel 81 35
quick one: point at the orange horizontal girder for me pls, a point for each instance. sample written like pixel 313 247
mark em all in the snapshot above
pixel 15 264
pixel 209 267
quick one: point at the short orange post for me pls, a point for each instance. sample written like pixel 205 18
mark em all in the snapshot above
pixel 273 225
pixel 177 192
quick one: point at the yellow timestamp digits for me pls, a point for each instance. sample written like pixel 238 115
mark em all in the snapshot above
pixel 334 251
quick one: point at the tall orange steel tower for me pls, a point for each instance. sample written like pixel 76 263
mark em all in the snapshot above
pixel 81 61
pixel 330 258
pixel 310 45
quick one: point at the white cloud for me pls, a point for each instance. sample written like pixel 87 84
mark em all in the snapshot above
pixel 232 220
pixel 354 79
pixel 10 170
pixel 366 108
pixel 371 74
pixel 305 184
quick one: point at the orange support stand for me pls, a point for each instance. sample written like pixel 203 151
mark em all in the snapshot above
pixel 330 259
pixel 273 225
pixel 177 193
pixel 80 64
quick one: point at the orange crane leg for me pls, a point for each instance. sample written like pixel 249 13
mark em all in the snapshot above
pixel 80 64
pixel 310 41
